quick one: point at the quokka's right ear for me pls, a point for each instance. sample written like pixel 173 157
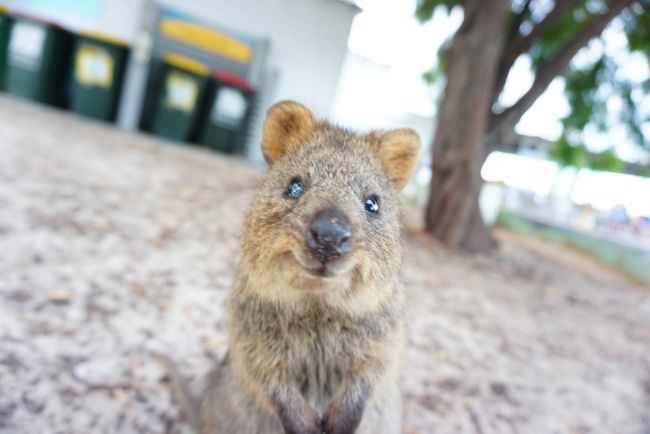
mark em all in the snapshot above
pixel 288 124
pixel 398 152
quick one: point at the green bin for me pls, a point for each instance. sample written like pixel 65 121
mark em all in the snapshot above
pixel 224 123
pixel 38 60
pixel 5 28
pixel 179 99
pixel 99 66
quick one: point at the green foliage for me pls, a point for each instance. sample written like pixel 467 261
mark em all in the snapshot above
pixel 636 25
pixel 435 77
pixel 567 154
pixel 570 155
pixel 591 88
pixel 581 90
pixel 425 8
pixel 552 40
pixel 436 74
pixel 643 171
pixel 606 161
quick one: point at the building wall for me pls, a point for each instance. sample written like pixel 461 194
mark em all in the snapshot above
pixel 371 95
pixel 308 38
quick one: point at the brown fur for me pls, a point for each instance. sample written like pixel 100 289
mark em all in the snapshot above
pixel 286 126
pixel 310 354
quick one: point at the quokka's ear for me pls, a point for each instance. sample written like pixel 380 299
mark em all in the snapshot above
pixel 398 151
pixel 287 125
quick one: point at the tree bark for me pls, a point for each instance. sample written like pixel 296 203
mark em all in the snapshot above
pixel 452 213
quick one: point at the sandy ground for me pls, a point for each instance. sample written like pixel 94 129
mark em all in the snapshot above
pixel 112 244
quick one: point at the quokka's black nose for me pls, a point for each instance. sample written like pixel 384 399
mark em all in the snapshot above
pixel 329 234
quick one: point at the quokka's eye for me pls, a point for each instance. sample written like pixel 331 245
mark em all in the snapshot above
pixel 294 189
pixel 371 203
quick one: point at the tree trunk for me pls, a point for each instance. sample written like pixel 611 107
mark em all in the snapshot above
pixel 452 213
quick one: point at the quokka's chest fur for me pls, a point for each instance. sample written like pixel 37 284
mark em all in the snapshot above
pixel 315 345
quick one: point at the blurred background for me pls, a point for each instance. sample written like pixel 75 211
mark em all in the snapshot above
pixel 535 123
pixel 573 158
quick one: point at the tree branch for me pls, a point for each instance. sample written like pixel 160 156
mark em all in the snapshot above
pixel 516 22
pixel 524 42
pixel 558 63
pixel 520 44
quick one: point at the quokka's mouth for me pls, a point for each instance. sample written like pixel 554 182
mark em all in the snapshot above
pixel 323 269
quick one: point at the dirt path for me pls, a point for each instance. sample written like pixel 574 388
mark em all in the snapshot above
pixel 112 244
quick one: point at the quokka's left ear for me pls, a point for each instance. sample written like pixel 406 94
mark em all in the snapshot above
pixel 398 151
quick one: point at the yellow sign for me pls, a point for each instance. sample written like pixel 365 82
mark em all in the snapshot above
pixel 104 38
pixel 186 63
pixel 206 39
pixel 94 66
pixel 181 92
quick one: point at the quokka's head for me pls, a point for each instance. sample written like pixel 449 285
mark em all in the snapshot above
pixel 326 215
